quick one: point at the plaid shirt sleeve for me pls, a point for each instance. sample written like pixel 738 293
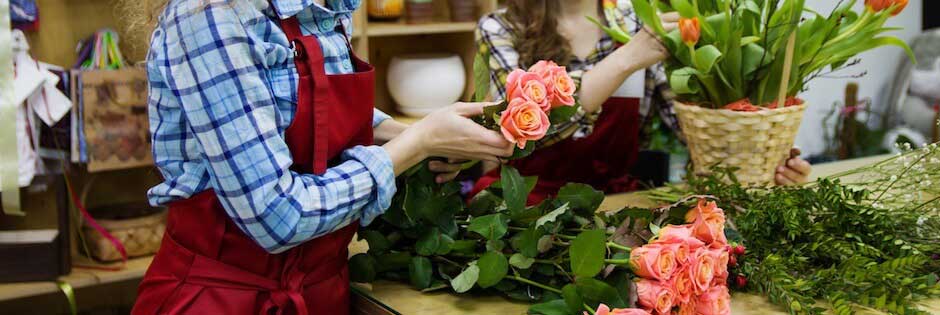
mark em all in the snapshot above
pixel 214 70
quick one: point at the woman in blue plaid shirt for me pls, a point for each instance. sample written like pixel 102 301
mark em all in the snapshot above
pixel 263 126
pixel 620 88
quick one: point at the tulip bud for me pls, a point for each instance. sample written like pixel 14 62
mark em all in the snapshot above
pixel 881 5
pixel 690 31
pixel 610 4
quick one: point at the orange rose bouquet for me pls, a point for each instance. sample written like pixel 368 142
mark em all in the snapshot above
pixel 535 99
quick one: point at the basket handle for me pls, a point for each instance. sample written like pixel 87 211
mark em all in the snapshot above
pixel 79 203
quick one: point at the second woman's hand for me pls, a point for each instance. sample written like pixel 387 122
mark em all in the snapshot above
pixel 448 132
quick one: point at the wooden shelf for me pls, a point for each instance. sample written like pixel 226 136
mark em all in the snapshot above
pixel 79 278
pixel 378 29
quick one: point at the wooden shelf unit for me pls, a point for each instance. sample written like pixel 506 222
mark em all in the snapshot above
pixel 380 41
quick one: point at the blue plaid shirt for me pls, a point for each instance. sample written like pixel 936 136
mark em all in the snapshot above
pixel 223 91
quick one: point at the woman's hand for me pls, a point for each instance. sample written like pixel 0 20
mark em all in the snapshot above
pixel 796 171
pixel 646 49
pixel 446 171
pixel 448 133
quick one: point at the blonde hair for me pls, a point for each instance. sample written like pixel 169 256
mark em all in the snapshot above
pixel 141 17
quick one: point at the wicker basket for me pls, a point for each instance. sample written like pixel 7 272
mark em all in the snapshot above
pixel 141 236
pixel 753 142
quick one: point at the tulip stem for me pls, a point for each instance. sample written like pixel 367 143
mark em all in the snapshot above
pixel 533 283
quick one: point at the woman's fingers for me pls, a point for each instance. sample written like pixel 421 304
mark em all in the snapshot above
pixel 471 109
pixel 669 17
pixel 790 175
pixel 443 167
pixel 782 180
pixel 800 166
pixel 670 26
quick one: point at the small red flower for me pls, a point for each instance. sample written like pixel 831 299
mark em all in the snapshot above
pixel 739 250
pixel 740 281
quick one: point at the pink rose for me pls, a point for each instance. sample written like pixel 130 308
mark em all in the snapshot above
pixel 687 308
pixel 701 270
pixel 681 285
pixel 715 301
pixel 720 257
pixel 529 86
pixel 679 250
pixel 652 295
pixel 708 222
pixel 564 88
pixel 523 121
pixel 605 310
pixel 672 234
pixel 652 262
pixel 560 85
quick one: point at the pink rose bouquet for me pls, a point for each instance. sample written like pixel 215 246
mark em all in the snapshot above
pixel 535 99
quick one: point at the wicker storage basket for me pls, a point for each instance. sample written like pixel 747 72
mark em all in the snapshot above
pixel 753 142
pixel 141 236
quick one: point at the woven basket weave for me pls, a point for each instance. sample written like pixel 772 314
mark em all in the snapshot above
pixel 753 142
pixel 140 236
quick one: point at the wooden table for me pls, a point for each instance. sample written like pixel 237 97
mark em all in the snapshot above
pixel 404 299
pixel 400 296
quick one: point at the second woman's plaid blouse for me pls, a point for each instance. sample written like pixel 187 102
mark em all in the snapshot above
pixel 496 35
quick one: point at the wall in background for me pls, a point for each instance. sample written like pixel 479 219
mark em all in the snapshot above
pixel 880 64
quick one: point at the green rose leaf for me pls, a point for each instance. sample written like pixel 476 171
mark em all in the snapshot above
pixel 551 216
pixel 466 279
pixel 484 203
pixel 493 268
pixel 514 188
pixel 377 242
pixel 362 268
pixel 445 246
pixel 526 242
pixel 587 253
pixel 572 298
pixel 562 114
pixel 491 226
pixel 420 271
pixel 481 76
pixel 583 198
pixel 463 246
pixel 429 242
pixel 553 307
pixel 393 261
pixel 596 291
pixel 521 261
pixel 495 245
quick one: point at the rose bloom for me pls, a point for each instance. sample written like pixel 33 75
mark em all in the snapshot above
pixel 687 308
pixel 716 301
pixel 679 234
pixel 605 310
pixel 681 285
pixel 689 30
pixel 523 121
pixel 561 87
pixel 651 261
pixel 529 86
pixel 721 257
pixel 881 5
pixel 654 296
pixel 708 222
pixel 701 270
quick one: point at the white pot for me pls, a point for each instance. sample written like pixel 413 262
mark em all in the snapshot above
pixel 422 83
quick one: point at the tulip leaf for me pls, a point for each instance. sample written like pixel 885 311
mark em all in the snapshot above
pixel 466 279
pixel 685 9
pixel 481 76
pixel 493 268
pixel 587 253
pixel 706 57
pixel 683 81
pixel 647 14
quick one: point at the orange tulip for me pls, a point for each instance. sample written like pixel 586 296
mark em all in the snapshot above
pixel 690 31
pixel 880 5
pixel 610 4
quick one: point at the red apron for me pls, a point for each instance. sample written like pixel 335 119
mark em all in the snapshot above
pixel 603 159
pixel 207 265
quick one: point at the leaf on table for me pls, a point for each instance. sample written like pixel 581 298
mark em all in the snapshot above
pixel 362 268
pixel 515 191
pixel 378 243
pixel 526 242
pixel 587 253
pixel 551 216
pixel 553 307
pixel 572 298
pixel 491 227
pixel 466 279
pixel 583 198
pixel 493 268
pixel 521 261
pixel 420 272
pixel 393 261
pixel 596 291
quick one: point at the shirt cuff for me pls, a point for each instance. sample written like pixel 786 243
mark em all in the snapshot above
pixel 379 164
pixel 378 117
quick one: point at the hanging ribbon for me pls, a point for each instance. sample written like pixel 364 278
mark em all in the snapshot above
pixel 69 295
pixel 9 154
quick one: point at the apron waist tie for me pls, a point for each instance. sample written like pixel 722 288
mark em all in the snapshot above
pixel 285 293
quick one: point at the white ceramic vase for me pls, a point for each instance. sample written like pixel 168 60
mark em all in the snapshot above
pixel 422 83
